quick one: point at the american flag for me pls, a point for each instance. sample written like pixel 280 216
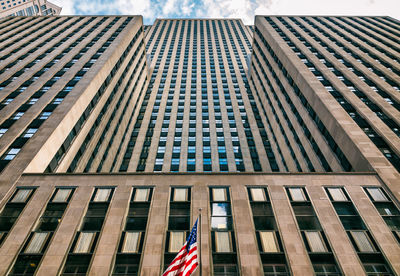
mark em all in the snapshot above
pixel 187 259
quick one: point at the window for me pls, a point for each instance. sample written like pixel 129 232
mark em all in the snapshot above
pixel 141 194
pixel 131 242
pixel 180 194
pixel 315 241
pixel 44 115
pixel 176 241
pixel 11 154
pixel 2 131
pixel 258 194
pixel 17 115
pixel 223 242
pixel 84 242
pixel 337 194
pixel 102 194
pixel 377 194
pixel 297 194
pixel 219 194
pixel 21 195
pixel 62 195
pixel 268 241
pixel 29 132
pixel 37 242
pixel 362 241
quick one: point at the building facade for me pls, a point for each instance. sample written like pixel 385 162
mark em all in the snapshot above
pixel 28 8
pixel 114 135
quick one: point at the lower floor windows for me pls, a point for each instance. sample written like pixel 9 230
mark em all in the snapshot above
pixel 131 242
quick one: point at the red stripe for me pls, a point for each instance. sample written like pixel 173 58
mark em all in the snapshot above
pixel 187 263
pixel 175 265
pixel 192 269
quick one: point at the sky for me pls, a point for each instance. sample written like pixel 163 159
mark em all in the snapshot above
pixel 243 9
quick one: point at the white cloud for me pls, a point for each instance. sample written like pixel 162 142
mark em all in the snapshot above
pixel 244 9
pixel 67 6
pixel 169 7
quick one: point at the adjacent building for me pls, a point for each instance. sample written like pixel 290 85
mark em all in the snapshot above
pixel 115 135
pixel 28 8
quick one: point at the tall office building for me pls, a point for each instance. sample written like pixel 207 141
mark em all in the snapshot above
pixel 285 134
pixel 28 7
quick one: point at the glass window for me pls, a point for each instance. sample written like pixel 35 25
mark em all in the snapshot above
pixel 131 242
pixel 315 241
pixel 21 196
pixel 362 241
pixel 258 194
pixel 141 194
pixel 337 194
pixel 61 195
pixel 176 241
pixel 30 132
pixel 180 194
pixel 102 194
pixel 11 154
pixel 223 242
pixel 377 194
pixel 297 194
pixel 84 242
pixel 36 243
pixel 268 241
pixel 219 194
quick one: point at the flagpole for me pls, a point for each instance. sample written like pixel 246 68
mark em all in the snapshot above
pixel 200 261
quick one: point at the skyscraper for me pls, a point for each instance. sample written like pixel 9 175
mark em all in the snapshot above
pixel 285 134
pixel 28 7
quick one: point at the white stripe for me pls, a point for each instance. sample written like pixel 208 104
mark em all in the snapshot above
pixel 188 268
pixel 183 260
pixel 182 251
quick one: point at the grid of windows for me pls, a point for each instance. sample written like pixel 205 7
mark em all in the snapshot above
pixel 318 248
pixel 13 209
pixel 368 251
pixel 222 233
pixel 33 250
pixel 81 251
pixel 178 222
pixel 131 244
pixel 268 237
pixel 386 208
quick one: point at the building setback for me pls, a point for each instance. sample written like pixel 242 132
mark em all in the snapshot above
pixel 113 135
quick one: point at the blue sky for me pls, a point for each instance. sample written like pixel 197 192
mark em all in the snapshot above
pixel 244 9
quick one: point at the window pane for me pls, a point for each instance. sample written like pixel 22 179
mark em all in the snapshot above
pixel 315 241
pixel 268 242
pixel 84 242
pixel 337 194
pixel 180 194
pixel 221 209
pixel 219 194
pixel 176 241
pixel 131 242
pixel 297 194
pixel 36 243
pixel 141 195
pixel 222 242
pixel 257 194
pixel 102 195
pixel 21 195
pixel 362 241
pixel 62 195
pixel 377 194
